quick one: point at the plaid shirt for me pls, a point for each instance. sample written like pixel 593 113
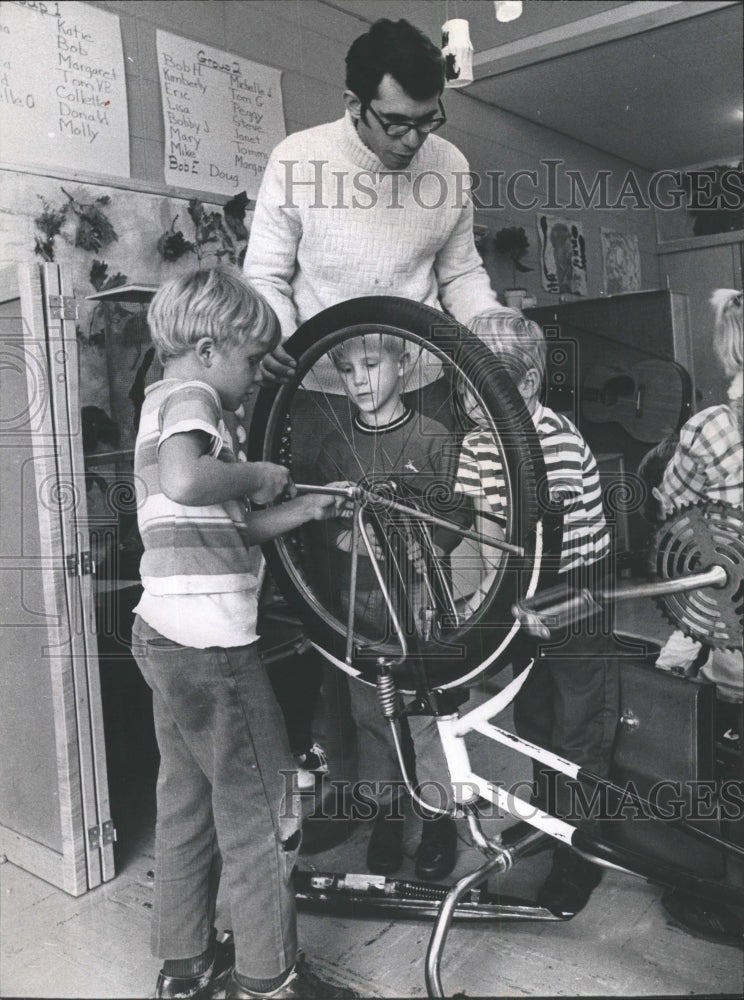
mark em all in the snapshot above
pixel 707 464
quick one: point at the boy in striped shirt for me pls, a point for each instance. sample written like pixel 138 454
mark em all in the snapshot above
pixel 220 733
pixel 569 703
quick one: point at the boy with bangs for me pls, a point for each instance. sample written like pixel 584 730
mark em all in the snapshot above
pixel 391 441
pixel 569 702
pixel 218 726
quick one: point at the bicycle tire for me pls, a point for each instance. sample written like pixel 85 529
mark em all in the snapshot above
pixel 480 643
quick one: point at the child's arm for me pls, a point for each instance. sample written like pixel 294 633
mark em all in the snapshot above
pixel 263 525
pixel 451 504
pixel 679 654
pixel 191 476
pixel 340 533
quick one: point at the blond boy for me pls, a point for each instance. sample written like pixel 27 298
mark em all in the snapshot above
pixel 218 726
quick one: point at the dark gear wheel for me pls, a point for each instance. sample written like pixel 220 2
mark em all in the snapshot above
pixel 693 540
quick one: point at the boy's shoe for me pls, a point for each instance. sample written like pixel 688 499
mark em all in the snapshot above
pixel 329 824
pixel 569 885
pixel 301 983
pixel 385 848
pixel 202 986
pixel 437 852
pixel 731 739
pixel 311 763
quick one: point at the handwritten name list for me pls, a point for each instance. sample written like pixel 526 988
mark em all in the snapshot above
pixel 223 115
pixel 62 89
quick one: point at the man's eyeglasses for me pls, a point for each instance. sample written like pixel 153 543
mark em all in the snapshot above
pixel 398 129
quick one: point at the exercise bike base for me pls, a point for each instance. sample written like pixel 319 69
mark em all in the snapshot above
pixel 361 895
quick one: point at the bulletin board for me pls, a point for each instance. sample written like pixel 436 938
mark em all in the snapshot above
pixel 222 115
pixel 72 115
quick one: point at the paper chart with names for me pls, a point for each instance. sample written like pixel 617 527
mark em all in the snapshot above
pixel 62 90
pixel 223 115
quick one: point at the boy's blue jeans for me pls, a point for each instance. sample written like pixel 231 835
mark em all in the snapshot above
pixel 223 746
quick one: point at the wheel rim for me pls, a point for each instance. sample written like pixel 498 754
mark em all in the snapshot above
pixel 449 651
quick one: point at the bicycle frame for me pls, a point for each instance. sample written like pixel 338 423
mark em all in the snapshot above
pixel 376 896
pixel 468 785
pixel 538 612
pixel 360 497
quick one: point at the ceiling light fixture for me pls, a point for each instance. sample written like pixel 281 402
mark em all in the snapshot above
pixel 507 10
pixel 457 50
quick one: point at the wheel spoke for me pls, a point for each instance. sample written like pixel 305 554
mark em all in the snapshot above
pixel 424 561
pixel 370 497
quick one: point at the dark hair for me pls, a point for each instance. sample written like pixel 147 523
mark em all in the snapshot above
pixel 651 472
pixel 397 48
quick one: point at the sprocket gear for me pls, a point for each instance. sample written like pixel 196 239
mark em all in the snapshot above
pixel 693 540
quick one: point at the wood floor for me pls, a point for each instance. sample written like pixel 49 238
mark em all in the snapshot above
pixel 622 944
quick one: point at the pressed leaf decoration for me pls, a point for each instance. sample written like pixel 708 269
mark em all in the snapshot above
pixel 100 279
pixel 234 211
pixel 94 231
pixel 50 222
pixel 215 234
pixel 172 245
pixel 512 242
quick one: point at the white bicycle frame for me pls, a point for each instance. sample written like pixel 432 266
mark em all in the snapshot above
pixel 469 786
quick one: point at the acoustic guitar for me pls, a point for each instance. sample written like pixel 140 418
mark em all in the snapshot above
pixel 650 399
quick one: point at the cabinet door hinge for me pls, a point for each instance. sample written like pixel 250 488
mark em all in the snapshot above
pixel 80 564
pixel 63 307
pixel 100 836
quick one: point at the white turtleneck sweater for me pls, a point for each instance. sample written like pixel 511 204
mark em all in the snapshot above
pixel 332 223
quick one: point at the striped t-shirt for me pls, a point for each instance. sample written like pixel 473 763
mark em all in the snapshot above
pixel 572 477
pixel 196 562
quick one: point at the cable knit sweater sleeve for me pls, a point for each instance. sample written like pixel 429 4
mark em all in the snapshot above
pixel 275 235
pixel 464 286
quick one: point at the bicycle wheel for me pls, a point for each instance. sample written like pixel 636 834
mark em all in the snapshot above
pixel 428 578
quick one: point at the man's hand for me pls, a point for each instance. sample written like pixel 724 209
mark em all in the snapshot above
pixel 268 481
pixel 277 366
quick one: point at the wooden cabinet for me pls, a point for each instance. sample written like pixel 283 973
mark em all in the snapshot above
pixel 54 801
pixel 622 369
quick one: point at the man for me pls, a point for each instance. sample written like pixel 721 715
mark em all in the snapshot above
pixel 372 204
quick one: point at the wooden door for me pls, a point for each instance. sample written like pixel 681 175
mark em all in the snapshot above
pixel 54 816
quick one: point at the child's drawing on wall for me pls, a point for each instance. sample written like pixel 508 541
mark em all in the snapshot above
pixel 621 262
pixel 562 255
